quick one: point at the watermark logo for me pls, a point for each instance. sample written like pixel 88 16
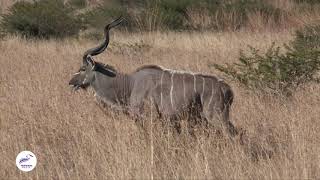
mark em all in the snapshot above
pixel 26 161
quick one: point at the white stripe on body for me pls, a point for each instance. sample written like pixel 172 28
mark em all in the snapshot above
pixel 171 90
pixel 184 89
pixel 212 91
pixel 203 84
pixel 194 83
pixel 161 89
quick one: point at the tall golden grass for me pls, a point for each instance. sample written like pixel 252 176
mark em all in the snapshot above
pixel 73 138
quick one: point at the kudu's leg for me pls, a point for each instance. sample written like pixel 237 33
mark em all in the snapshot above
pixel 196 116
pixel 137 99
pixel 175 122
pixel 215 117
pixel 230 127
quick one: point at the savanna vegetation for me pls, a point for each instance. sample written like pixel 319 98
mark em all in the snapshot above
pixel 268 51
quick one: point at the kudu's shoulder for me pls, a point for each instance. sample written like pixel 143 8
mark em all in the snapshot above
pixel 149 67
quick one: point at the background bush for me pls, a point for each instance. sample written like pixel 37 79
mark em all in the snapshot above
pixel 307 1
pixel 42 19
pixel 78 3
pixel 61 18
pixel 103 13
pixel 234 15
pixel 307 38
pixel 163 14
pixel 177 15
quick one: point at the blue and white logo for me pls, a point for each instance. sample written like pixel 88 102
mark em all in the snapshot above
pixel 26 161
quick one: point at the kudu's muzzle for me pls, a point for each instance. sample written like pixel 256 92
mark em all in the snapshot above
pixel 76 82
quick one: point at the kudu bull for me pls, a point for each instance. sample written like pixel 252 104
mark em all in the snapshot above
pixel 171 92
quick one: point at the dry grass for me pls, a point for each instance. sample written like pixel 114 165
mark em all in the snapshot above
pixel 74 139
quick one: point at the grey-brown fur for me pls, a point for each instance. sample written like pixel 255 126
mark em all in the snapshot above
pixel 172 92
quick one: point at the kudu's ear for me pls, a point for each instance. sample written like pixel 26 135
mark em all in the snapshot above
pixel 91 62
pixel 107 72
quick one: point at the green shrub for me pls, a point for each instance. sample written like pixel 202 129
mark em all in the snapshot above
pixel 80 4
pixel 312 2
pixel 307 38
pixel 235 14
pixel 41 19
pixel 161 14
pixel 275 72
pixel 175 12
pixel 102 14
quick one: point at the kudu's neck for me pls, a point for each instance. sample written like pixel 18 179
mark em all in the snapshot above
pixel 122 85
pixel 113 89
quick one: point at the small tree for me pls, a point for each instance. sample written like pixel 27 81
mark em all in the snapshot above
pixel 278 72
